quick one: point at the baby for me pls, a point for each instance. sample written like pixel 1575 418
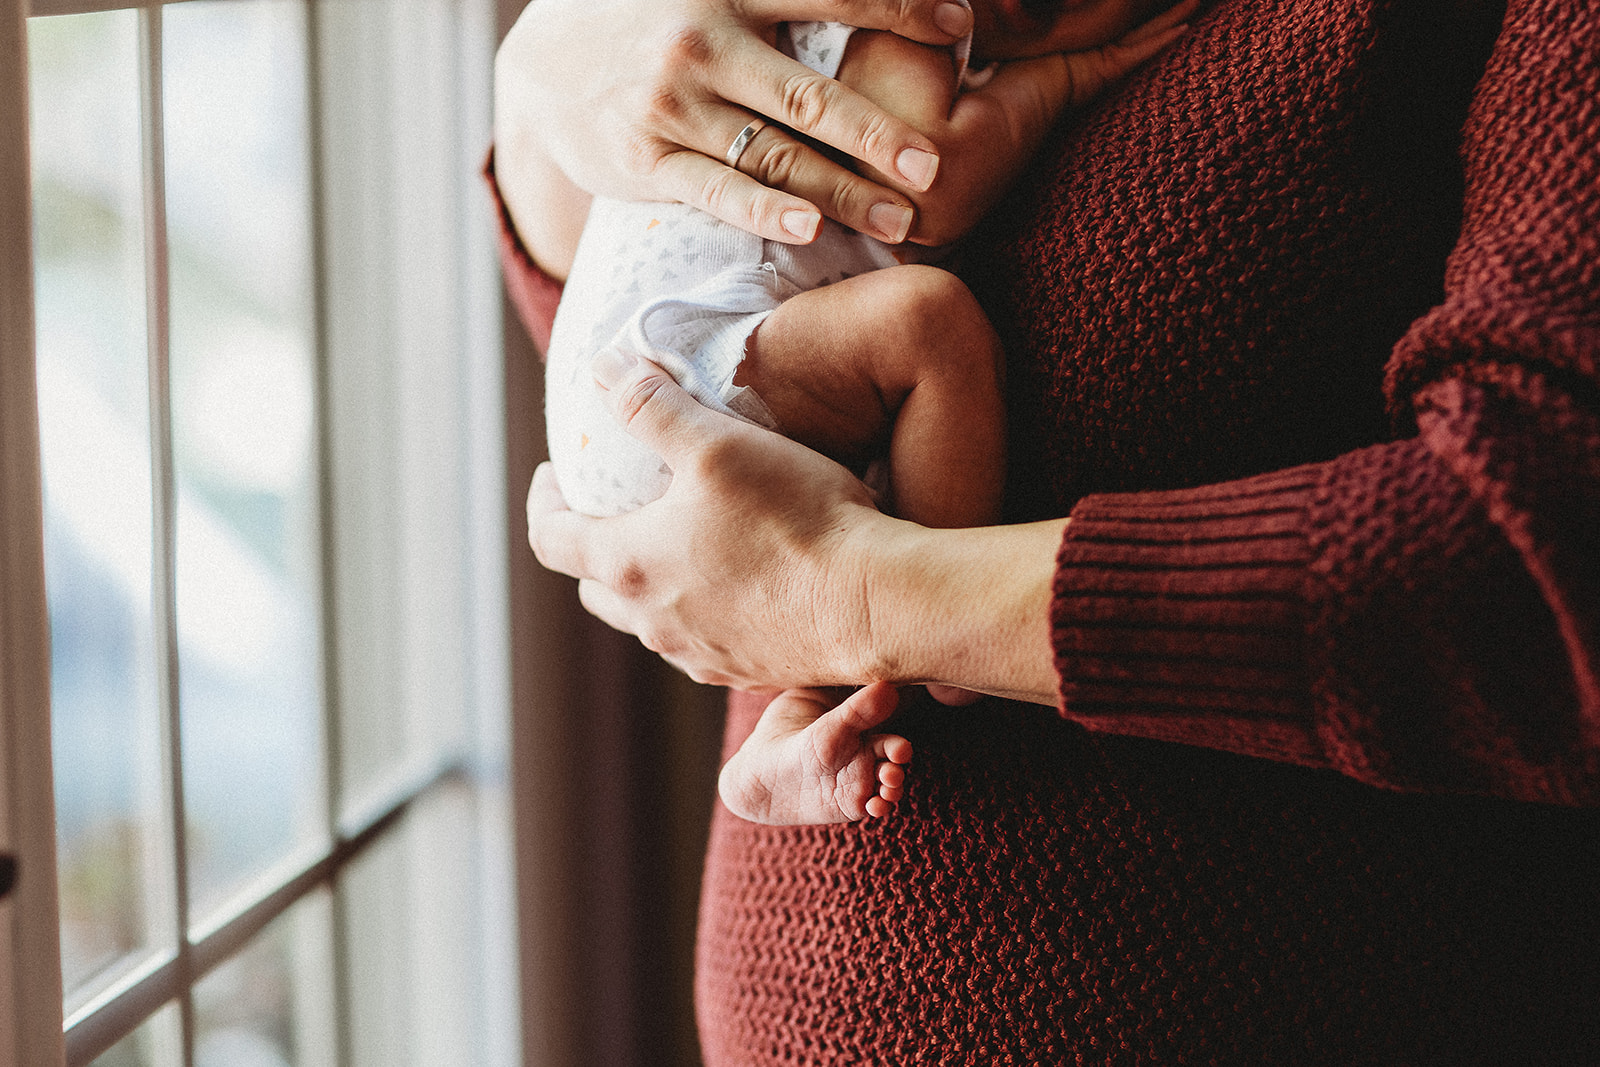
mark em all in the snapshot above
pixel 854 347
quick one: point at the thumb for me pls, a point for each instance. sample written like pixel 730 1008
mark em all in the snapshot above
pixel 653 408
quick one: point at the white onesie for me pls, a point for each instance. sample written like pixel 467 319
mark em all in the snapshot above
pixel 685 289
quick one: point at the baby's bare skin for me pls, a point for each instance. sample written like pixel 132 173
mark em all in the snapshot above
pixel 905 357
pixel 906 353
pixel 810 762
pixel 902 357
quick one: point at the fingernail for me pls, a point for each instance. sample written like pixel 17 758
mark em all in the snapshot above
pixel 891 221
pixel 611 364
pixel 917 167
pixel 801 225
pixel 954 19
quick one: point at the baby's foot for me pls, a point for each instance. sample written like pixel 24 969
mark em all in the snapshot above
pixel 810 762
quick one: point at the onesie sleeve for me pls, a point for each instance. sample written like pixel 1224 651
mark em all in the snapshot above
pixel 534 294
pixel 1422 614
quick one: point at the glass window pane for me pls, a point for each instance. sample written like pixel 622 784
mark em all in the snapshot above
pixel 416 967
pixel 95 443
pixel 376 901
pixel 157 1043
pixel 272 1004
pixel 238 202
pixel 398 386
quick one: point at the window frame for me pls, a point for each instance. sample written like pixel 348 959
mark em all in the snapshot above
pixel 30 958
pixel 33 1027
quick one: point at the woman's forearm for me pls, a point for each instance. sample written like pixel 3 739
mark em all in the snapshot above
pixel 967 608
pixel 765 565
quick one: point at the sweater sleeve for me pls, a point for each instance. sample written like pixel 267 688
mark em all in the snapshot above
pixel 1422 614
pixel 533 293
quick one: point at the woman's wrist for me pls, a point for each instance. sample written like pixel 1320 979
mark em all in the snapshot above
pixel 967 608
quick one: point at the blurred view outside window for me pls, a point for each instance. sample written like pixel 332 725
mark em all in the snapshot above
pixel 243 334
pixel 94 403
pixel 183 317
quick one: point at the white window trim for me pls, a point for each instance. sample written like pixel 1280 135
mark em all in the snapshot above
pixel 31 1016
pixel 30 960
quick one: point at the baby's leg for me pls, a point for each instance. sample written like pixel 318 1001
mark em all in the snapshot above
pixel 808 762
pixel 903 357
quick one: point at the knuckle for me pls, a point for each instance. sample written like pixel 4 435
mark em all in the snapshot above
pixel 634 396
pixel 660 640
pixel 687 48
pixel 805 99
pixel 642 153
pixel 778 161
pixel 850 195
pixel 673 82
pixel 539 541
pixel 759 216
pixel 629 581
pixel 544 550
pixel 718 194
pixel 853 197
pixel 667 102
pixel 876 138
pixel 717 457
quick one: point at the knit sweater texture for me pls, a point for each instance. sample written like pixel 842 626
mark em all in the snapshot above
pixel 1303 330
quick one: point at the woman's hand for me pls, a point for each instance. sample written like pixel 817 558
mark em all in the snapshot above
pixel 755 533
pixel 766 566
pixel 641 100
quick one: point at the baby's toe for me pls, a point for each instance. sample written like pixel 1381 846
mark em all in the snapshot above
pixel 892 747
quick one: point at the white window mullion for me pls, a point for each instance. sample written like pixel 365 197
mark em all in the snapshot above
pixel 116 1011
pixel 338 1010
pixel 411 558
pixel 30 948
pixel 73 7
pixel 164 487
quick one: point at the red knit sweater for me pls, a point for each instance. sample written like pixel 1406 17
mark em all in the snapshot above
pixel 1304 331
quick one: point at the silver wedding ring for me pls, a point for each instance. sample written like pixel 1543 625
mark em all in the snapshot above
pixel 741 142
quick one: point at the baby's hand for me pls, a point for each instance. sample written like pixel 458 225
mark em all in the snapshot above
pixel 1088 72
pixel 993 131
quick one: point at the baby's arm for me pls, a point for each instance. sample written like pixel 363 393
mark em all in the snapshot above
pixel 987 135
pixel 902 357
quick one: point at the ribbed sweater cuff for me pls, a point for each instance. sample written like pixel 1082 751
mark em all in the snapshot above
pixel 1181 616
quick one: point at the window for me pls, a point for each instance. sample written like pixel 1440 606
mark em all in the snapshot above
pixel 264 353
